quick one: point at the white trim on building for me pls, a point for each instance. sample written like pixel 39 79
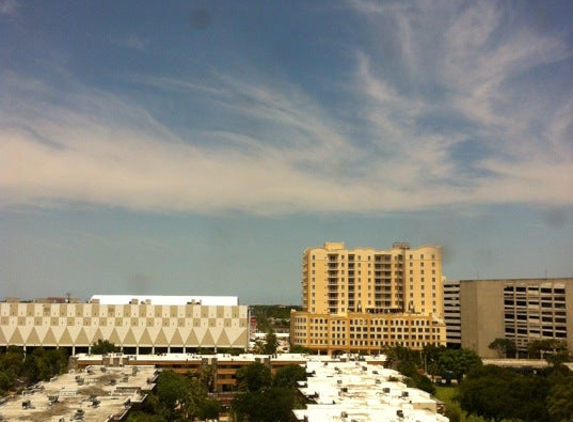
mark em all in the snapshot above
pixel 166 300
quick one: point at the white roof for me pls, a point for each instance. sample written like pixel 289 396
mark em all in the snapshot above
pixel 167 300
pixel 343 413
pixel 347 390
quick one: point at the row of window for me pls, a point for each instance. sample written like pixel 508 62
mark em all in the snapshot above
pixel 369 257
pixel 364 322
pixel 376 344
pixel 533 288
pixel 113 315
pixel 536 318
pixel 377 337
pixel 510 332
pixel 104 322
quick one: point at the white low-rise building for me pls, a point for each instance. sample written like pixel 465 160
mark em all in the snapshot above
pixel 354 390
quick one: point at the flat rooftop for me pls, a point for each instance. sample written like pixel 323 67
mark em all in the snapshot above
pixel 167 300
pixel 98 393
pixel 356 390
pixel 152 359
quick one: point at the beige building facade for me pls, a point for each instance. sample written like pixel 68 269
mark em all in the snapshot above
pixel 520 310
pixel 364 299
pixel 133 325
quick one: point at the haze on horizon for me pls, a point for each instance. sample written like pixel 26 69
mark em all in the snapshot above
pixel 198 148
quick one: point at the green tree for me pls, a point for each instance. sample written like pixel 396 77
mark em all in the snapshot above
pixel 57 360
pixel 253 377
pixel 171 389
pixel 288 376
pixel 497 393
pixel 397 354
pixel 207 375
pixel 209 409
pixel 539 349
pixel 197 404
pixel 430 355
pixel 43 364
pixel 505 348
pixel 415 379
pixel 271 405
pixel 530 395
pixel 297 348
pixel 179 397
pixel 458 361
pixel 558 358
pixel 103 347
pixel 12 361
pixel 488 394
pixel 5 382
pixel 140 416
pixel 270 344
pixel 272 316
pixel 560 401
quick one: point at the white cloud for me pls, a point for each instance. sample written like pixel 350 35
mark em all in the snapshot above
pixel 9 8
pixel 483 62
pixel 135 42
pixel 274 149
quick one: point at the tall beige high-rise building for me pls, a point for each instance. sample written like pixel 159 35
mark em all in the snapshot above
pixel 364 299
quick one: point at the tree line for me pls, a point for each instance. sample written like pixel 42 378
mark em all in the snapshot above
pixel 492 392
pixel 275 317
pixel 498 394
pixel 19 369
pixel 553 350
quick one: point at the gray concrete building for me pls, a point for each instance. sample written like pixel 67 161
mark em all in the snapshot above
pixel 520 310
pixel 452 313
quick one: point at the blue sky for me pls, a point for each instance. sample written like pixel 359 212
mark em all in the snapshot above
pixel 198 147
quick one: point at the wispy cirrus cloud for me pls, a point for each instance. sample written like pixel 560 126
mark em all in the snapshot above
pixel 104 151
pixel 483 69
pixel 450 120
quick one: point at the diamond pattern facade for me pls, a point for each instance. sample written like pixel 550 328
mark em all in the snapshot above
pixel 130 325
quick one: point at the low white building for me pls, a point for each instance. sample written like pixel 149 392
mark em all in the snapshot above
pixel 354 390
